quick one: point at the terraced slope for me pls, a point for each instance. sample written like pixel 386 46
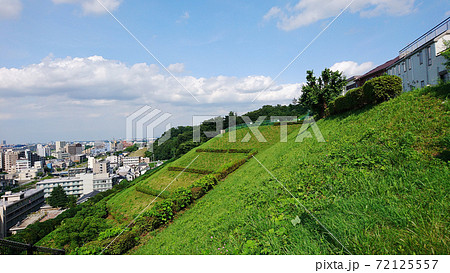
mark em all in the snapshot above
pixel 379 184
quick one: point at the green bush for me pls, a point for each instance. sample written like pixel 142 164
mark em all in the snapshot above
pixel 122 244
pixel 382 89
pixel 188 170
pixel 181 198
pixel 162 212
pixel 147 190
pixel 355 98
pixel 202 186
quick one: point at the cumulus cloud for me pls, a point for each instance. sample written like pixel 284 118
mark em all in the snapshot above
pixel 96 78
pixel 176 68
pixel 10 9
pixel 93 6
pixel 306 12
pixel 73 94
pixel 350 68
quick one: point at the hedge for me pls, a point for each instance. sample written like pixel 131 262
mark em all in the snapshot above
pixel 382 89
pixel 189 170
pixel 374 91
pixel 147 190
pixel 244 151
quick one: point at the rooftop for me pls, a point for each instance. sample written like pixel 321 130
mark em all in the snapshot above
pixel 425 38
pixel 15 197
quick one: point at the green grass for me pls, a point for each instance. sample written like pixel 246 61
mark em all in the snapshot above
pixel 128 204
pixel 376 183
pixel 207 161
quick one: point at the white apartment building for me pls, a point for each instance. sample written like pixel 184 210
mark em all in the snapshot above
pixel 102 167
pixel 79 185
pixel 22 164
pixel 131 161
pixel 28 174
pixel 14 207
pixel 43 151
pixel 420 63
pixel 91 162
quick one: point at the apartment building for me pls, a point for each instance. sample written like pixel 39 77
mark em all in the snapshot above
pixel 22 164
pixel 103 166
pixel 420 63
pixel 14 207
pixel 74 149
pixel 59 146
pixel 2 160
pixel 78 185
pixel 10 160
pixel 132 161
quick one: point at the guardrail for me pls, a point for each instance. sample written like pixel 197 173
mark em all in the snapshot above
pixel 430 35
pixel 14 248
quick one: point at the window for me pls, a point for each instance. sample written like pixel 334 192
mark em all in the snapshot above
pixel 429 56
pixel 404 67
pixel 409 63
pixel 422 84
pixel 420 57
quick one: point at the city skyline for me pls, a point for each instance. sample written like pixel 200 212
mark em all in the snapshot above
pixel 69 71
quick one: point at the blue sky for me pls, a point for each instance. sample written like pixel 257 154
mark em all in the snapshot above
pixel 69 71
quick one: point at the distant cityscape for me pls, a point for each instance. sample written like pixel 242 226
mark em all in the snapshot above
pixel 29 173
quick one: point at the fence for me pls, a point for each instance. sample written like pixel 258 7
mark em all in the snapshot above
pixel 8 247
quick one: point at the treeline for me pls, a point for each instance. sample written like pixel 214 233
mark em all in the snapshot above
pixel 181 138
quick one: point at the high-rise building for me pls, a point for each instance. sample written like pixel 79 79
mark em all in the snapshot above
pixel 74 149
pixel 42 151
pixel 10 160
pixel 59 147
pixel 2 160
pixel 4 142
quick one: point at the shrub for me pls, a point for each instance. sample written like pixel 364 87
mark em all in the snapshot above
pixel 382 89
pixel 355 98
pixel 124 243
pixel 189 170
pixel 162 212
pixel 202 186
pixel 181 198
pixel 147 190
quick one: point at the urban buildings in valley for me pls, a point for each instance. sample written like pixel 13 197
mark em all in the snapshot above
pixel 14 207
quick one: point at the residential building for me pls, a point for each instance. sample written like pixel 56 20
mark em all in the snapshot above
pixel 28 174
pixel 376 72
pixel 59 146
pixel 91 162
pixel 22 164
pixel 131 161
pixel 74 171
pixel 352 83
pixel 43 151
pixel 2 160
pixel 14 207
pixel 74 149
pixel 78 158
pixel 10 160
pixel 61 155
pixel 78 185
pixel 420 63
pixel 102 167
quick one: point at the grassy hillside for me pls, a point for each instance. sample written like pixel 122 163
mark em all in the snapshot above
pixel 379 183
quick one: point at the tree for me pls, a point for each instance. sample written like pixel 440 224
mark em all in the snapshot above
pixel 58 197
pixel 319 92
pixel 446 54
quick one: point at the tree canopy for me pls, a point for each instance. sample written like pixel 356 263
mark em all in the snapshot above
pixel 320 91
pixel 58 197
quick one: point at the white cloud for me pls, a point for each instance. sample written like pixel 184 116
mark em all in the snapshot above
pixel 176 68
pixel 306 12
pixel 350 68
pixel 96 78
pixel 93 6
pixel 89 98
pixel 10 9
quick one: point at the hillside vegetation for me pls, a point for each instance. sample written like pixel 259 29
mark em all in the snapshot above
pixel 379 184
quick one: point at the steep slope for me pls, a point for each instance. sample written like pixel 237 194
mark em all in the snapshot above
pixel 379 184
